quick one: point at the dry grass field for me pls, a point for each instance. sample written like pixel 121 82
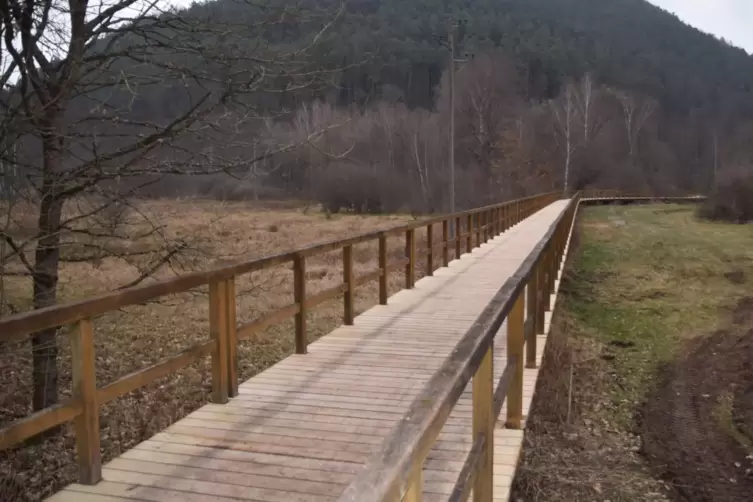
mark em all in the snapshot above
pixel 135 337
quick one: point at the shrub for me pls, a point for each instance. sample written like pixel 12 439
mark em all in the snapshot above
pixel 731 199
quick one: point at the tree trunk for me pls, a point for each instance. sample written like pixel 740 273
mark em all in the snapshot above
pixel 45 280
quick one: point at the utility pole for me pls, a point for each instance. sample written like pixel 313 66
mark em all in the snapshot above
pixel 453 27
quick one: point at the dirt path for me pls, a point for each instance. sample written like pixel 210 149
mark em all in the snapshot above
pixel 697 426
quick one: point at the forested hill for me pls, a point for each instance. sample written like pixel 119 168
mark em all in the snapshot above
pixel 627 43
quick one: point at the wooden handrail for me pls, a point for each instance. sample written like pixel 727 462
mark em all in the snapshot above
pixel 83 407
pixel 18 326
pixel 395 469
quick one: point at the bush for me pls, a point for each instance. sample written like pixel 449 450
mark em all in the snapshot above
pixel 359 189
pixel 732 198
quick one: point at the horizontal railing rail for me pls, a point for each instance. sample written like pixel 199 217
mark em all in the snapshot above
pixel 474 227
pixel 395 473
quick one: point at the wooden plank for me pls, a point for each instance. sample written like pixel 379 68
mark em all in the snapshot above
pixel 225 465
pixel 125 469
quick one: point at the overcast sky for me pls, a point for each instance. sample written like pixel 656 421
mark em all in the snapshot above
pixel 730 19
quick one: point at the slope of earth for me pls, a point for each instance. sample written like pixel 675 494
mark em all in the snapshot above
pixel 645 393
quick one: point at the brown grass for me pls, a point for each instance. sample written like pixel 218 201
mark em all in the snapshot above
pixel 135 337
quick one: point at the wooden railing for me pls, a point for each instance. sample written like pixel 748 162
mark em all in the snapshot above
pixel 473 227
pixel 395 473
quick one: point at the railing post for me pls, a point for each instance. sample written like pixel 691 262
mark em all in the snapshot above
pixel 232 339
pixel 531 305
pixel 349 284
pixel 483 425
pixel 546 289
pixel 469 236
pixel 85 392
pixel 430 254
pixel 383 276
pixel 410 253
pixel 458 244
pixel 487 223
pixel 478 229
pixel 415 489
pixel 299 294
pixel 554 266
pixel 515 341
pixel 540 295
pixel 218 330
pixel 446 243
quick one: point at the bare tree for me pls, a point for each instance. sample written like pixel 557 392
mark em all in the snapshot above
pixel 108 96
pixel 565 114
pixel 636 111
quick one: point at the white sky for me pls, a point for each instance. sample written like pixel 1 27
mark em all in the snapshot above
pixel 729 19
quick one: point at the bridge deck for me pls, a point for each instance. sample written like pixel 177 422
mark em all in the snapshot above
pixel 300 430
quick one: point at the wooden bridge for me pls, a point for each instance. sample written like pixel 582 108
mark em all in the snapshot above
pixel 422 397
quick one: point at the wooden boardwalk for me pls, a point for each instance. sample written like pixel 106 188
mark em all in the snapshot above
pixel 302 429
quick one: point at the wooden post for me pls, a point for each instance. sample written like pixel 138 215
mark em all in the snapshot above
pixel 483 425
pixel 458 246
pixel 485 231
pixel 469 236
pixel 410 253
pixel 446 243
pixel 531 305
pixel 232 339
pixel 85 392
pixel 415 489
pixel 515 353
pixel 554 266
pixel 540 308
pixel 218 330
pixel 547 270
pixel 350 284
pixel 383 276
pixel 430 254
pixel 478 229
pixel 299 297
